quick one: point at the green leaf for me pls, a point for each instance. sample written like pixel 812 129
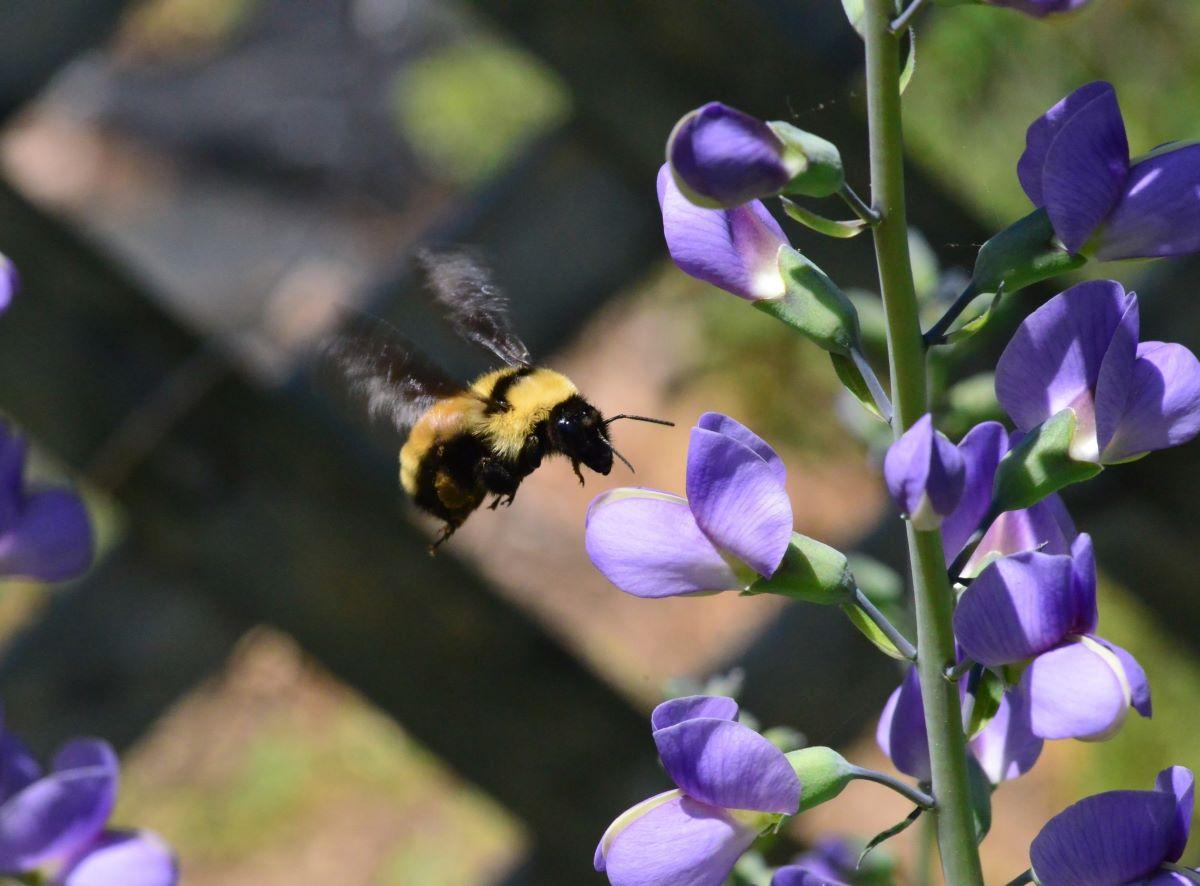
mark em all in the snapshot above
pixel 871 631
pixel 843 230
pixel 889 833
pixel 850 376
pixel 910 61
pixel 1040 465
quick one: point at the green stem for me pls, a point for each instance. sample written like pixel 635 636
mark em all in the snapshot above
pixel 904 19
pixel 906 354
pixel 1026 877
pixel 905 790
pixel 860 206
pixel 937 333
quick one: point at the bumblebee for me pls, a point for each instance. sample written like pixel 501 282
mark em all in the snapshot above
pixel 465 443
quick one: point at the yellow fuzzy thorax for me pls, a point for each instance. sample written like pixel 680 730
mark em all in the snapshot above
pixel 530 399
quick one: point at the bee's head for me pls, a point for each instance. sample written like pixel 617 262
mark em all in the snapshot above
pixel 577 430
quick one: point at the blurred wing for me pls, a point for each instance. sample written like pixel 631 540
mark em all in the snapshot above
pixel 472 303
pixel 387 373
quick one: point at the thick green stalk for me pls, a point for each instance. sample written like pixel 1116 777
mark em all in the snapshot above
pixel 906 359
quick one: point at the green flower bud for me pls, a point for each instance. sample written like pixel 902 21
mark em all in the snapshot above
pixel 1022 254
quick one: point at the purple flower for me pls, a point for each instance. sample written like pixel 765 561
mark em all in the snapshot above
pixel 1046 526
pixel 799 875
pixel 1118 836
pixel 723 157
pixel 10 282
pixel 1005 748
pixel 44 533
pixel 1076 164
pixel 1080 351
pixel 925 474
pixel 1040 8
pixel 734 249
pixel 731 784
pixel 734 525
pixel 54 823
pixel 1041 609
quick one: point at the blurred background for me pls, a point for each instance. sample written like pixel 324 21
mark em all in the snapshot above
pixel 299 693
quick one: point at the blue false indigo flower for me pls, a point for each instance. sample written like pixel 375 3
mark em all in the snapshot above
pixel 1039 610
pixel 925 474
pixel 1005 748
pixel 733 249
pixel 1119 836
pixel 55 823
pixel 721 157
pixel 731 784
pixel 799 875
pixel 1040 8
pixel 734 525
pixel 1076 165
pixel 44 533
pixel 10 282
pixel 1045 526
pixel 1080 351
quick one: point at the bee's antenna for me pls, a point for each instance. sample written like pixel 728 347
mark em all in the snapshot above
pixel 632 470
pixel 653 421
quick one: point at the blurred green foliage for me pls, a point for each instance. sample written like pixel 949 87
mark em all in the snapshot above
pixel 470 107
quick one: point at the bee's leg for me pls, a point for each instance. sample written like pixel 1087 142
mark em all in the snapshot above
pixel 447 531
pixel 578 473
pixel 500 479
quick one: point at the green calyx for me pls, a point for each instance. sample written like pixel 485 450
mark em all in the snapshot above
pixel 823 774
pixel 811 571
pixel 1041 464
pixel 813 305
pixel 1022 254
pixel 816 163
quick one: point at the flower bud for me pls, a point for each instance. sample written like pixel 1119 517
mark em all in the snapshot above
pixel 811 571
pixel 721 157
pixel 823 773
pixel 819 163
pixel 813 304
pixel 925 474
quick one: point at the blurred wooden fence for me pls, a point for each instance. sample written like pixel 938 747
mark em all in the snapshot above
pixel 258 507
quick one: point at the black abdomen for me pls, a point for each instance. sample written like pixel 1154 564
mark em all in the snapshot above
pixel 447 480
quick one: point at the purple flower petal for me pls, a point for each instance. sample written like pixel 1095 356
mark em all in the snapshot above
pixel 1115 837
pixel 1019 606
pixel 18 767
pixel 1163 405
pixel 1007 747
pixel 901 732
pixel 1159 210
pixel 727 427
pixel 1074 692
pixel 1135 676
pixel 127 858
pixel 1045 527
pixel 1180 784
pixel 625 819
pixel 795 875
pixel 1043 131
pixel 734 249
pixel 981 450
pixel 738 500
pixel 726 764
pixel 690 707
pixel 57 816
pixel 648 544
pixel 51 539
pixel 12 477
pixel 1085 169
pixel 10 282
pixel 679 843
pixel 1083 586
pixel 1116 377
pixel 726 156
pixel 1054 359
pixel 925 474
